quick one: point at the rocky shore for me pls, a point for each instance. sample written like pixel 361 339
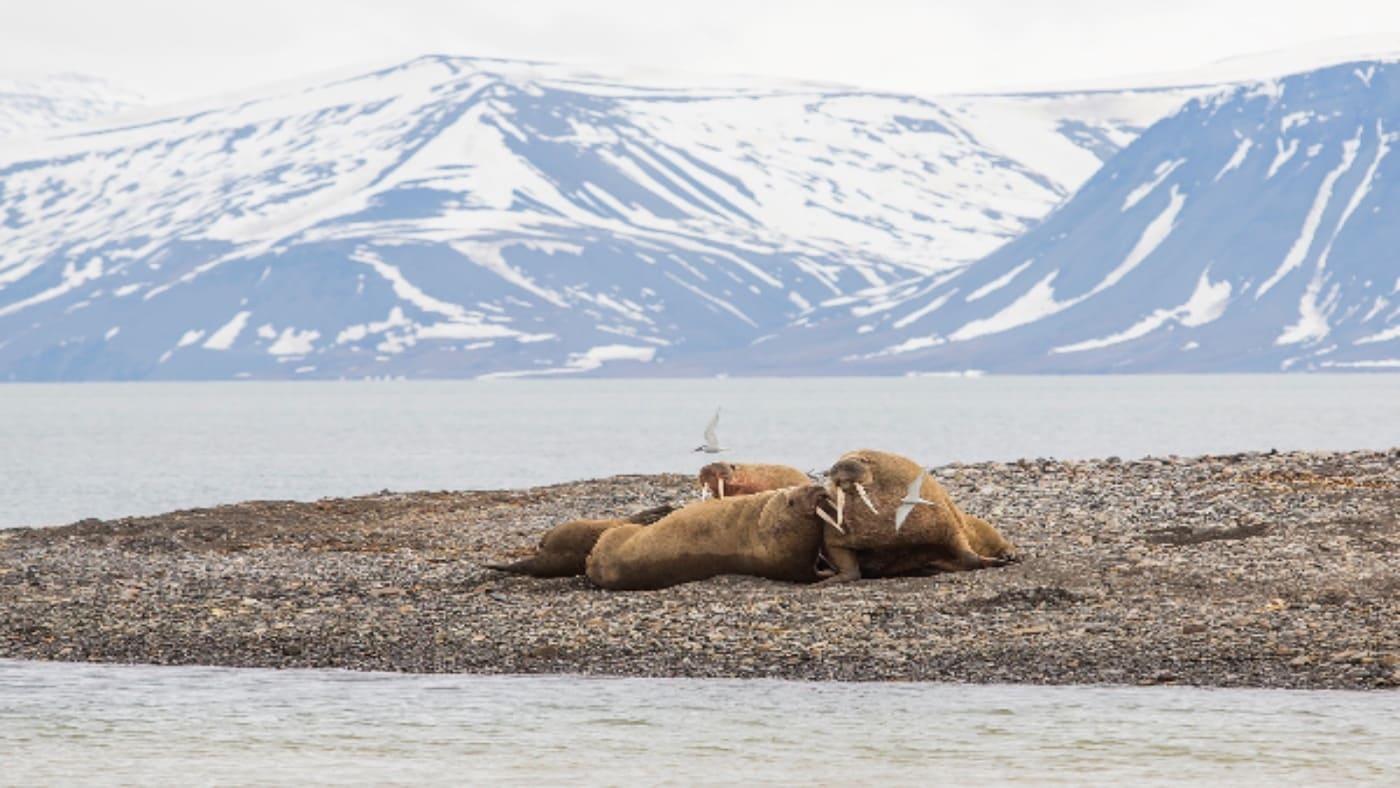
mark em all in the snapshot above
pixel 1261 570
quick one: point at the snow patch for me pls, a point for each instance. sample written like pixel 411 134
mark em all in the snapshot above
pixel 1388 363
pixel 1293 119
pixel 1381 336
pixel 1162 171
pixel 998 283
pixel 1312 323
pixel 588 360
pixel 294 343
pixel 924 310
pixel 1207 303
pixel 73 278
pixel 465 331
pixel 1152 237
pixel 224 337
pixel 359 331
pixel 1236 159
pixel 1272 89
pixel 1377 307
pixel 1037 302
pixel 1299 250
pixel 1282 155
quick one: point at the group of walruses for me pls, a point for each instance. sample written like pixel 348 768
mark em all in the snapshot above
pixel 773 521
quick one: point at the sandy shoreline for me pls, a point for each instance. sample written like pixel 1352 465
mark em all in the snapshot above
pixel 1264 570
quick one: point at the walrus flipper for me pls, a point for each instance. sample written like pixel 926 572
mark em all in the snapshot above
pixel 542 565
pixel 649 516
pixel 845 562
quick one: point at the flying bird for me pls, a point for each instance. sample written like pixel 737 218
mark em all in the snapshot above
pixel 711 445
pixel 910 500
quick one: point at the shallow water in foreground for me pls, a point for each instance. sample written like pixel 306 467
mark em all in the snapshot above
pixel 74 723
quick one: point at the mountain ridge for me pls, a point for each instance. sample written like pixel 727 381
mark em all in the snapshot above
pixel 1139 272
pixel 450 217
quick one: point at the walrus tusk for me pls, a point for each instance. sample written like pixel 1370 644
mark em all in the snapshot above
pixel 721 486
pixel 864 496
pixel 704 492
pixel 840 506
pixel 822 514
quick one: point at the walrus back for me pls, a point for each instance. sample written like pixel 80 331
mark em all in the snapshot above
pixel 564 548
pixel 700 540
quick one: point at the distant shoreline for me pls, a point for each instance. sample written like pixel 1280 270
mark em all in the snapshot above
pixel 1249 570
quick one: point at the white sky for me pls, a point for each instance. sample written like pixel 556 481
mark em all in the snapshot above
pixel 173 49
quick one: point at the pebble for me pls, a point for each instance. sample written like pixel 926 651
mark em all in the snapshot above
pixel 1135 571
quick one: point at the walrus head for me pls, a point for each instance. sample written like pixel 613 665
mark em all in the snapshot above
pixel 811 499
pixel 850 475
pixel 713 477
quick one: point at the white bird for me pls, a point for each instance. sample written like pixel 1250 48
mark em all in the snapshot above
pixel 711 445
pixel 910 500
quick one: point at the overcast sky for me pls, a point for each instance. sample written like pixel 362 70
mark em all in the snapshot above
pixel 172 49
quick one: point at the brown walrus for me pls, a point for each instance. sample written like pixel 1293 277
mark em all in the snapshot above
pixel 774 534
pixel 723 479
pixel 564 547
pixel 935 536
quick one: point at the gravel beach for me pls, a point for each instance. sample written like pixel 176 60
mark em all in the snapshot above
pixel 1249 570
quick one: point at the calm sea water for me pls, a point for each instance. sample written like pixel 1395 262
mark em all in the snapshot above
pixel 70 451
pixel 74 451
pixel 72 724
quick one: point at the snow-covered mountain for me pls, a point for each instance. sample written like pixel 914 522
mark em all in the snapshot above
pixel 1253 230
pixel 462 217
pixel 42 104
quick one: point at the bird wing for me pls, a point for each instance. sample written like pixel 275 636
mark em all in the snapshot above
pixel 911 499
pixel 912 494
pixel 710 438
pixel 901 514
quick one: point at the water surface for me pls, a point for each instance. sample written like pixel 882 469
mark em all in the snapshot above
pixel 69 451
pixel 65 723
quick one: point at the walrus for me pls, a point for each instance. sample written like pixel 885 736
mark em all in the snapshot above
pixel 722 479
pixel 936 536
pixel 774 534
pixel 564 547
